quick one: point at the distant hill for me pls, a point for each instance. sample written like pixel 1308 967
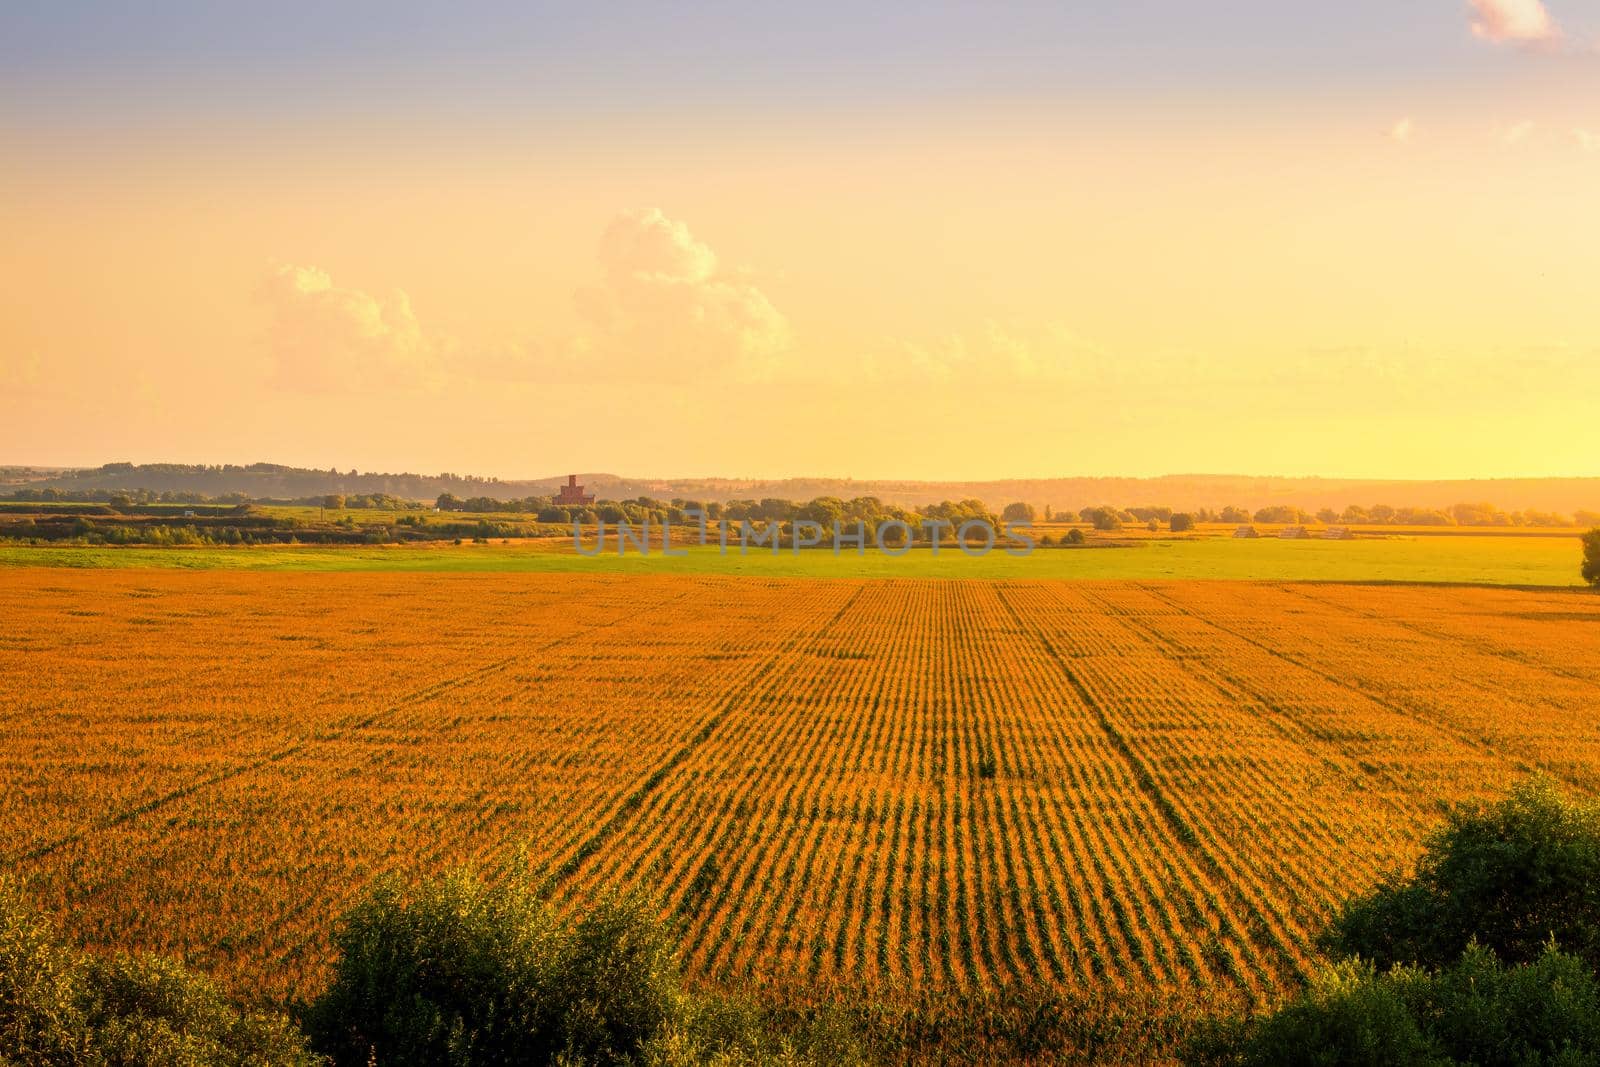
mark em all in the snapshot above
pixel 1181 491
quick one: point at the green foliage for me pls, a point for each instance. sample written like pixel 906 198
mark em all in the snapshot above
pixel 41 989
pixel 1477 1010
pixel 1591 557
pixel 1511 875
pixel 1459 962
pixel 1281 513
pixel 459 972
pixel 149 1010
pixel 1181 522
pixel 1543 561
pixel 1103 518
pixel 61 1007
pixel 1348 1015
pixel 1018 512
pixel 731 1030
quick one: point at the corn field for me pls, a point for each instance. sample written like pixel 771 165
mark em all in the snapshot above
pixel 1155 788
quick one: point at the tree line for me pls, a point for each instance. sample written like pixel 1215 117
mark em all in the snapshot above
pixel 1465 514
pixel 826 509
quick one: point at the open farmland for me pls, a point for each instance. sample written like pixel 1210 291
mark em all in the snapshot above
pixel 1155 788
pixel 1547 559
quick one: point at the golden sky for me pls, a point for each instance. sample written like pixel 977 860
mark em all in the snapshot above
pixel 1295 254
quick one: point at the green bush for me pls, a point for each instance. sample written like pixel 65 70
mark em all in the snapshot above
pixel 1458 963
pixel 58 1006
pixel 1547 1011
pixel 1591 557
pixel 1511 875
pixel 1348 1015
pixel 148 1010
pixel 458 972
pixel 41 989
pixel 1475 1011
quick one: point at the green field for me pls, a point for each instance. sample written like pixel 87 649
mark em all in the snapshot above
pixel 1529 561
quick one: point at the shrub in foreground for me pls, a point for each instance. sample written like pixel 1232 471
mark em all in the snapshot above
pixel 59 1006
pixel 1477 1010
pixel 1511 875
pixel 457 971
pixel 1458 963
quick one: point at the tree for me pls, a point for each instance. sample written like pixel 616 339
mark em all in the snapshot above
pixel 1018 512
pixel 1475 1010
pixel 1280 513
pixel 1477 514
pixel 1181 522
pixel 1509 876
pixel 457 971
pixel 447 502
pixel 333 501
pixel 1591 557
pixel 824 511
pixel 1104 517
pixel 1486 954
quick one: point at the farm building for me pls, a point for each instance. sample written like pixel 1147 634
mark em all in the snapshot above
pixel 1338 533
pixel 1246 531
pixel 1293 533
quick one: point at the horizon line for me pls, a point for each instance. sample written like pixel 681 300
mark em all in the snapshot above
pixel 77 468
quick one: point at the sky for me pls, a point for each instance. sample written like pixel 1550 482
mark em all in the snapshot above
pixel 976 240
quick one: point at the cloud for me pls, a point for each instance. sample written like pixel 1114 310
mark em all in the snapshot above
pixel 665 311
pixel 1516 134
pixel 20 372
pixel 1587 140
pixel 996 354
pixel 1401 130
pixel 1524 21
pixel 326 339
pixel 648 246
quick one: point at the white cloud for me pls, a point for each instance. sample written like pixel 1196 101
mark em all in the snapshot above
pixel 648 246
pixel 1512 20
pixel 665 311
pixel 326 339
pixel 1401 130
